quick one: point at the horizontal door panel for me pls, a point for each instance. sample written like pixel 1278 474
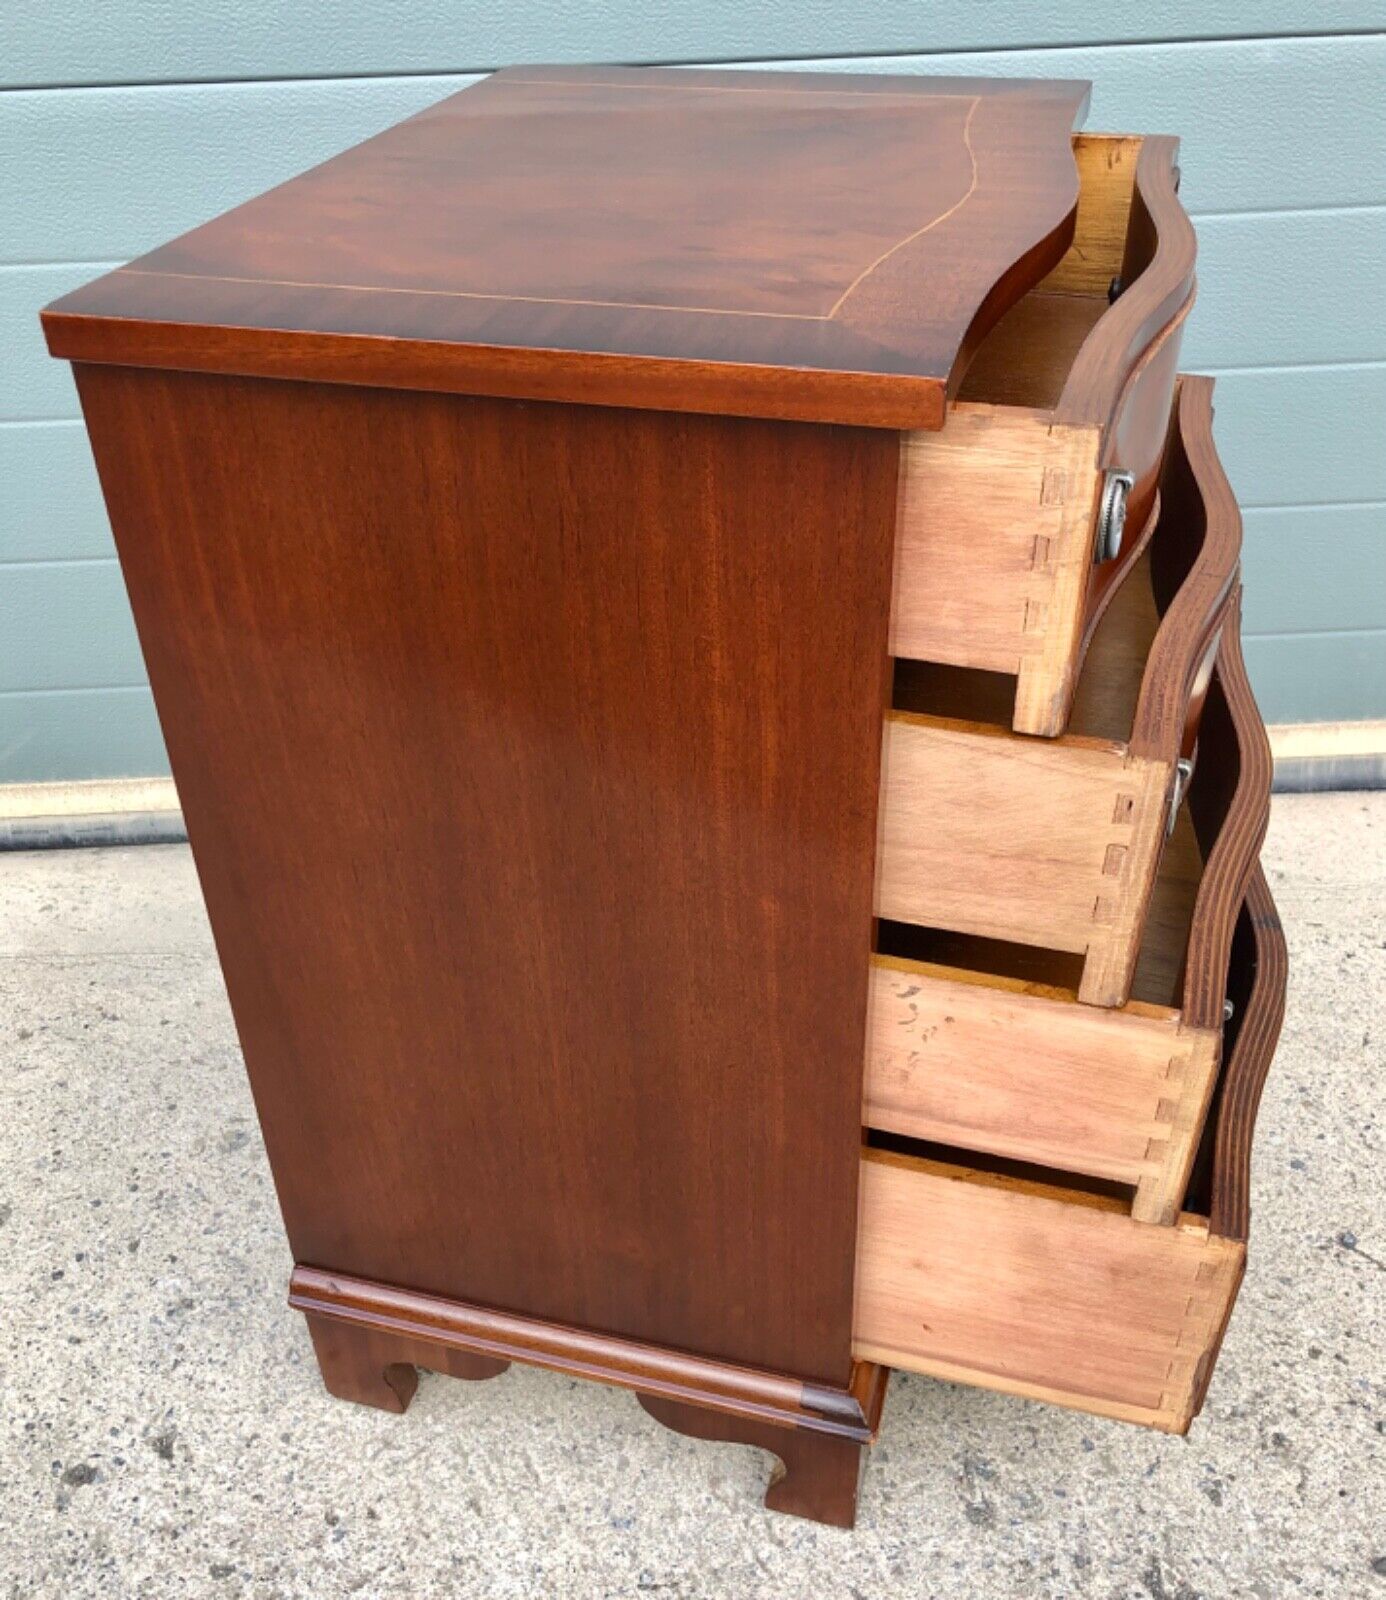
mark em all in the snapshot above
pixel 66 627
pixel 68 41
pixel 111 172
pixel 1308 568
pixel 80 733
pixel 51 507
pixel 1319 677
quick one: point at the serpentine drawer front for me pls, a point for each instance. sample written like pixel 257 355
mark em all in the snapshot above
pixel 530 517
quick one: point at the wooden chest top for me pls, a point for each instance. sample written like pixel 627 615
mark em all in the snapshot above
pixel 807 245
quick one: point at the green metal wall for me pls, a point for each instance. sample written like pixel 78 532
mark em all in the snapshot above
pixel 123 124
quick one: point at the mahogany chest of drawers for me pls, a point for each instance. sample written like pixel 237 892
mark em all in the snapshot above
pixel 696 628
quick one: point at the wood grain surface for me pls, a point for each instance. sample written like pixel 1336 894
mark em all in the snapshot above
pixel 1195 561
pixel 820 246
pixel 994 538
pixel 1056 1294
pixel 1260 968
pixel 1039 1291
pixel 979 1062
pixel 1106 178
pixel 1157 279
pixel 980 1046
pixel 998 511
pixel 1229 804
pixel 1212 855
pixel 816 1476
pixel 521 809
pixel 443 1333
pixel 1053 843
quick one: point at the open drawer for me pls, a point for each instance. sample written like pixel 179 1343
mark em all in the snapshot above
pixel 982 1046
pixel 1056 843
pixel 1017 1282
pixel 1053 446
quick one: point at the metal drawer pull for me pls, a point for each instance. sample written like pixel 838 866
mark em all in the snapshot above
pixel 1111 517
pixel 1183 771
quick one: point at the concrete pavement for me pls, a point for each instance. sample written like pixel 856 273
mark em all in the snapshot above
pixel 164 1431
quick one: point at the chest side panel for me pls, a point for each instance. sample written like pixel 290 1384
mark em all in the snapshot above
pixel 530 759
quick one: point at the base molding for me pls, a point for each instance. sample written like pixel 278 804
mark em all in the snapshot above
pixel 370 1339
pixel 816 1475
pixel 381 1369
pixel 851 1413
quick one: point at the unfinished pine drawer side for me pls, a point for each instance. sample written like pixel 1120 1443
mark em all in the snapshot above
pixel 1023 1284
pixel 1056 843
pixel 983 1046
pixel 1011 518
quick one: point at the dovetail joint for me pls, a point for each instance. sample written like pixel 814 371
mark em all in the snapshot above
pixel 1177 1067
pixel 1203 1312
pixel 1035 612
pixel 1054 486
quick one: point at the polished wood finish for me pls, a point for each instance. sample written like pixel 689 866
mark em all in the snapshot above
pixel 525 666
pixel 813 246
pixel 1193 570
pixel 446 1332
pixel 370 1338
pixel 379 1368
pixel 1156 282
pixel 1229 810
pixel 998 512
pixel 1234 950
pixel 1211 855
pixel 1057 843
pixel 1260 973
pixel 520 812
pixel 1260 968
pixel 817 1476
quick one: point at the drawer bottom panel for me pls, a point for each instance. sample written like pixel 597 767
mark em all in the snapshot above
pixel 1052 1294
